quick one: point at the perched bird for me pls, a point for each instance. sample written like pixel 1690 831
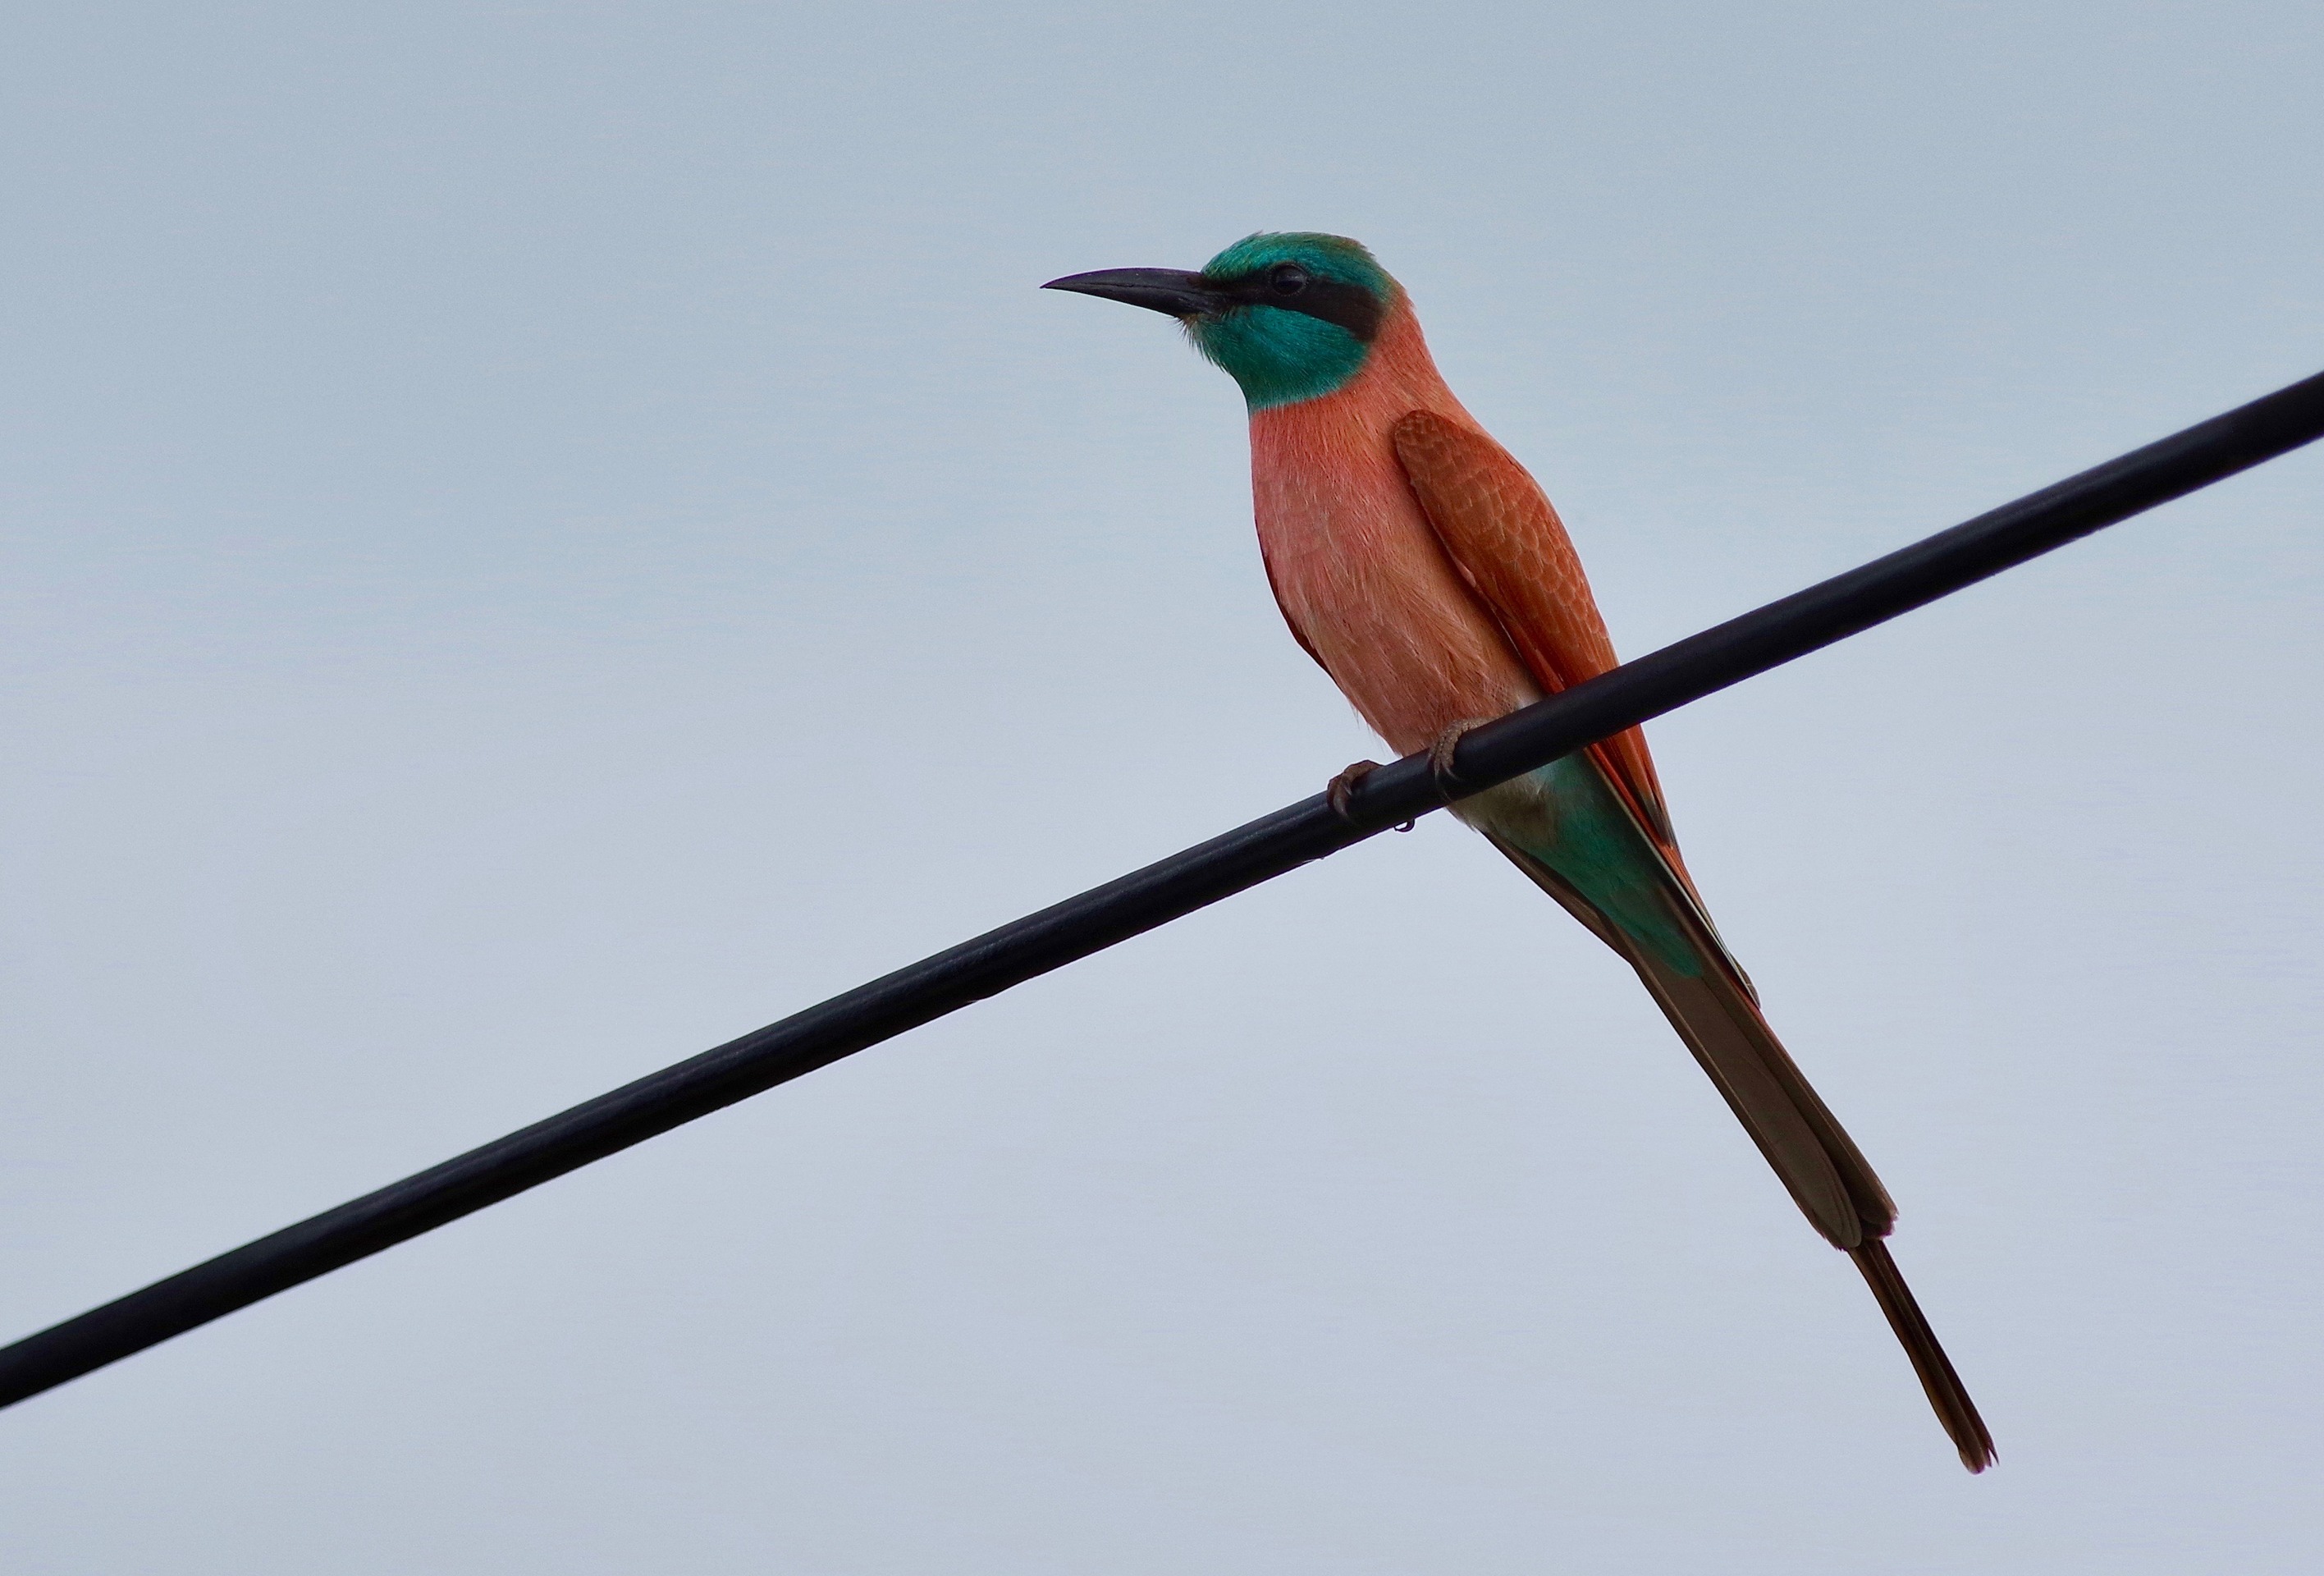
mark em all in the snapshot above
pixel 1425 569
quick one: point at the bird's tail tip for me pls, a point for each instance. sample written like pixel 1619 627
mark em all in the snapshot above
pixel 1946 1391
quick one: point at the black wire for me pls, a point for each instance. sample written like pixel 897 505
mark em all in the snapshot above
pixel 1700 665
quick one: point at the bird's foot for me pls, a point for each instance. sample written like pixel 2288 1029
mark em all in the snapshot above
pixel 1440 757
pixel 1340 789
pixel 1337 791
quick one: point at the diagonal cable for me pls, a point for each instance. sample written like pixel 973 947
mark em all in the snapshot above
pixel 1700 665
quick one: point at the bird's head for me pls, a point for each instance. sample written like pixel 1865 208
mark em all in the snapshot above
pixel 1289 316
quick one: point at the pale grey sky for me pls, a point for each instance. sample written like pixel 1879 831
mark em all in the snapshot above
pixel 540 538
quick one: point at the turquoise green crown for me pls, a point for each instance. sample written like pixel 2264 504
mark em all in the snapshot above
pixel 1281 355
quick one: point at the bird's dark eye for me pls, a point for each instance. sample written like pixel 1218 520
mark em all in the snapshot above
pixel 1287 279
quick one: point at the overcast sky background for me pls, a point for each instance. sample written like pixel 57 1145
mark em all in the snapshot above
pixel 540 538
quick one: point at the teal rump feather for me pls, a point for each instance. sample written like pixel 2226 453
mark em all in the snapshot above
pixel 1588 838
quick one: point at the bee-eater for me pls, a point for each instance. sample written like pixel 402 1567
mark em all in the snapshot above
pixel 1425 569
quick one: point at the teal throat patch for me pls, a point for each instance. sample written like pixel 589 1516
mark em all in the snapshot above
pixel 1281 355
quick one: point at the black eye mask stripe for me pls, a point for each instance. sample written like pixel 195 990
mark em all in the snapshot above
pixel 1351 306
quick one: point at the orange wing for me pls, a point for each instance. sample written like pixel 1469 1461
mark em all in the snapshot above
pixel 1509 544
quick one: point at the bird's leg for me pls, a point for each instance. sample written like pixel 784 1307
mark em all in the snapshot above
pixel 1338 791
pixel 1340 787
pixel 1440 757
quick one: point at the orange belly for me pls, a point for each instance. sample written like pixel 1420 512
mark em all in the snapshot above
pixel 1360 574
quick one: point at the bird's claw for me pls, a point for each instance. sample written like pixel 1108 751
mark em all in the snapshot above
pixel 1337 792
pixel 1440 757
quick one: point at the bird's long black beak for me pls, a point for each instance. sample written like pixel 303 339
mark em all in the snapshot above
pixel 1160 290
